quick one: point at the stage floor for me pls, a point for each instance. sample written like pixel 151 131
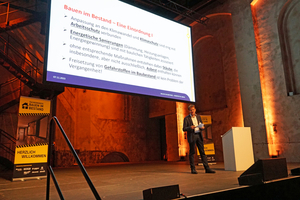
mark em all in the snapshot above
pixel 124 181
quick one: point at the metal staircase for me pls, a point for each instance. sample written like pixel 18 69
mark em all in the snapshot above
pixel 25 67
pixel 7 149
pixel 15 58
pixel 18 13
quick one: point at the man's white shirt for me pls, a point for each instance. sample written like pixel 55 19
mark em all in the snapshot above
pixel 195 123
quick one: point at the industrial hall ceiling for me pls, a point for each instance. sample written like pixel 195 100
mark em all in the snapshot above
pixel 180 9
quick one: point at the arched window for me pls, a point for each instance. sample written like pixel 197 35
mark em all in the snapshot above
pixel 289 35
pixel 209 74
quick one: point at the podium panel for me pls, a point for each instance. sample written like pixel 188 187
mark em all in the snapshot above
pixel 237 149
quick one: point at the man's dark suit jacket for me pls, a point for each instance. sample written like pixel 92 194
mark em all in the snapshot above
pixel 187 123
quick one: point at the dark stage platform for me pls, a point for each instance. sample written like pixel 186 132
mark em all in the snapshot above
pixel 126 181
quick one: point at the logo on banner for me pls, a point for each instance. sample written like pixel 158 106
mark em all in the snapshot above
pixel 25 106
pixel 33 106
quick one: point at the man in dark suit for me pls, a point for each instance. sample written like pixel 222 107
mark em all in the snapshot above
pixel 193 125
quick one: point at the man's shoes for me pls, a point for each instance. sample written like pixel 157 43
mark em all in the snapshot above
pixel 209 171
pixel 193 171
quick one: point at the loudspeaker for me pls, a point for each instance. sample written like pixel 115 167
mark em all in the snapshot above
pixel 295 171
pixel 162 193
pixel 251 179
pixel 270 169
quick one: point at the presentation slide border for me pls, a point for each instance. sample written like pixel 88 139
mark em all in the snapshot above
pixel 114 87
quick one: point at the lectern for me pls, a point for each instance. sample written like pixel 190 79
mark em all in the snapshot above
pixel 237 149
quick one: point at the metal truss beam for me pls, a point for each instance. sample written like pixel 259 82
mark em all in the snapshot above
pixel 181 10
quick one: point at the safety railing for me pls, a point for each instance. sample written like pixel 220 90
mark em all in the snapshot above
pixel 50 172
pixel 16 52
pixel 5 88
pixel 7 145
pixel 14 79
pixel 13 91
pixel 17 6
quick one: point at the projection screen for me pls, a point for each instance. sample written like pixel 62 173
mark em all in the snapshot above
pixel 110 45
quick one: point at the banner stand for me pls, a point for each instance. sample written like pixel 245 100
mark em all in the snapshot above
pixel 32 139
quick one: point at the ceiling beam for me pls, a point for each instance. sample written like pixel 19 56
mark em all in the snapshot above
pixel 181 10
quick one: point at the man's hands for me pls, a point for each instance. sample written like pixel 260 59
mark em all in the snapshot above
pixel 193 127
